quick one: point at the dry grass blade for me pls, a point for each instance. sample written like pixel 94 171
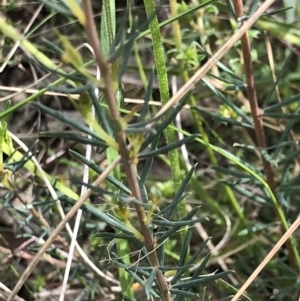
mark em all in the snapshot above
pixel 58 229
pixel 88 155
pixel 61 212
pixel 6 290
pixel 17 44
pixel 275 249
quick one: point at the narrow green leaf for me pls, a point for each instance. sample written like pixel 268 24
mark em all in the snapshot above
pixel 51 46
pixel 75 90
pixel 201 266
pixel 217 116
pixel 268 158
pixel 278 11
pixel 166 122
pixel 58 7
pixel 174 228
pixel 180 192
pixel 112 236
pixel 175 224
pixel 127 49
pixel 15 166
pixel 123 198
pixel 168 211
pixel 99 171
pixel 148 163
pixel 279 78
pixel 185 247
pixel 183 293
pixel 101 116
pixel 256 228
pixel 282 115
pixel 74 137
pixel 96 213
pixel 143 123
pixel 63 118
pixel 249 194
pixel 231 8
pixel 237 174
pixel 168 147
pixel 193 258
pixel 149 282
pixel 148 95
pixel 229 102
pixel 253 7
pixel 134 275
pixel 74 75
pixel 176 268
pixel 200 281
pixel 135 129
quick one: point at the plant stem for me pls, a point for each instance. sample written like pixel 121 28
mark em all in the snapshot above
pixel 260 134
pixel 120 135
pixel 162 76
pixel 108 32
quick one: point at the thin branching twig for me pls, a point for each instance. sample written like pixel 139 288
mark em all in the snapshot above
pixel 120 135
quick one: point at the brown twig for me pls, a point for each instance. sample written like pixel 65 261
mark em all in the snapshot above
pixel 251 91
pixel 120 135
pixel 256 114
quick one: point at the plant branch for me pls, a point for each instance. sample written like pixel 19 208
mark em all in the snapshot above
pixel 251 91
pixel 260 134
pixel 120 136
pixel 169 133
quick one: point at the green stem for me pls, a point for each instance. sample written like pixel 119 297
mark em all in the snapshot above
pixel 162 76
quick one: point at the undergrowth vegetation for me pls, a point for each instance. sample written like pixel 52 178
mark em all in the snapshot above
pixel 149 150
